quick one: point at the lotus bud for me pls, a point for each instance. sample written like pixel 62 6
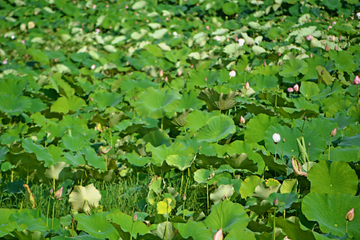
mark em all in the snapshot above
pixel 264 63
pixel 279 54
pixel 207 27
pixel 333 132
pixel 336 48
pixel 180 73
pixel 218 235
pixel 309 144
pixel 247 85
pixel 296 88
pixel 242 120
pixel 161 73
pixel 232 73
pixel 333 38
pixel 205 79
pixel 276 202
pixel 356 80
pixel 134 217
pixel 350 215
pixel 283 140
pixel 51 191
pixel 166 79
pixel 327 48
pixel 276 137
pixel 309 37
pixel 290 89
pixel 311 55
pixel 58 193
pixel 93 67
pixel 236 39
pixel 340 37
pixel 184 197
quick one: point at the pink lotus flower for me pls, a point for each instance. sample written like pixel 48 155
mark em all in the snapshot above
pixel 296 88
pixel 356 80
pixel 207 27
pixel 218 235
pixel 350 215
pixel 290 89
pixel 309 37
pixel 247 85
pixel 358 15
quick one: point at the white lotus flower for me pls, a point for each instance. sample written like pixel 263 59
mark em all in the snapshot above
pixel 241 42
pixel 217 38
pixel 232 73
pixel 276 137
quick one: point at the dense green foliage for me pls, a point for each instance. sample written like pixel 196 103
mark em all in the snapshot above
pixel 159 119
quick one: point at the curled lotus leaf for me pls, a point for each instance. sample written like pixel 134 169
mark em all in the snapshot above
pixel 82 198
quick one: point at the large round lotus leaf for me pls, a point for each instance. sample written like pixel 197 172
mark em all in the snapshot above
pixel 136 160
pixel 228 216
pixel 318 143
pixel 104 99
pixel 96 225
pixel 63 104
pixel 332 4
pixel 249 185
pixel 216 128
pixel 196 230
pixel 179 161
pixel 41 152
pixel 157 138
pixel 293 68
pixel 197 119
pixel 343 61
pixel 220 192
pixel 332 178
pixel 156 102
pixel 139 5
pixel 189 100
pixel 230 8
pixel 330 210
pixel 256 127
pixel 81 198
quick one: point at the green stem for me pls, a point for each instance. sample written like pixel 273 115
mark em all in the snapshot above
pixel 182 179
pixel 221 214
pixel 47 214
pixel 53 216
pixel 274 232
pixel 207 197
pixel 282 156
pixel 346 230
pixel 132 225
pixel 329 149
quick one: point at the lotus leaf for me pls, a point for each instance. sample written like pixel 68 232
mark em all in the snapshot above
pixel 330 210
pixel 221 192
pixel 228 216
pixel 293 68
pixel 82 198
pixel 249 185
pixel 216 128
pixel 196 230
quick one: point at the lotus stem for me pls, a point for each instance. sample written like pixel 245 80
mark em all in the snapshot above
pixel 182 180
pixel 329 149
pixel 346 229
pixel 48 210
pixel 207 197
pixel 221 214
pixel 53 215
pixel 274 232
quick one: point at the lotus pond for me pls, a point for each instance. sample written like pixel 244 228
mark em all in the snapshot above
pixel 195 119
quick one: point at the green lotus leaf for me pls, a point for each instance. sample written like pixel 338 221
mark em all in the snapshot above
pixel 197 119
pixel 64 104
pixel 110 48
pixel 350 154
pixel 41 152
pixel 228 216
pixel 159 154
pixel 53 171
pixel 157 138
pixel 332 4
pixel 38 55
pixel 220 192
pixel 73 143
pixel 318 143
pixel 256 127
pixel 136 160
pixel 216 128
pixel 293 68
pixel 142 83
pixel 202 78
pixel 124 224
pixel 195 230
pixel 202 175
pixel 236 234
pixel 79 57
pixel 13 134
pixel 164 230
pixel 156 102
pixel 350 141
pixel 82 198
pixel 180 162
pixel 14 105
pixel 263 190
pixel 343 61
pixel 293 229
pixel 249 185
pixel 216 101
pixel 258 49
pixel 93 159
pixel 330 210
pixel 180 119
pixel 324 76
pixel 96 225
pixel 230 8
pixel 333 178
pixel 159 34
pixel 104 99
pixel 286 198
pixel 289 185
pixel 139 5
pixel 74 159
